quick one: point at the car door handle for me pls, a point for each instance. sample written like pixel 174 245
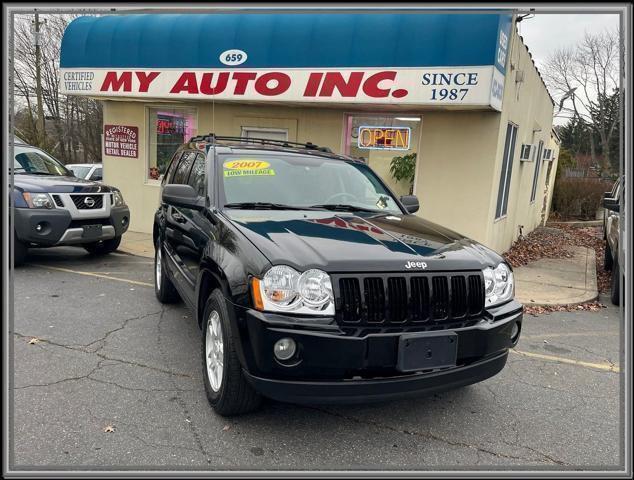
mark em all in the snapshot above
pixel 178 218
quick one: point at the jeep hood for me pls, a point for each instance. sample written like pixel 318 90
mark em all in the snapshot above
pixel 359 242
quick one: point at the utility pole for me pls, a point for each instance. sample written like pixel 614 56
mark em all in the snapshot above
pixel 38 79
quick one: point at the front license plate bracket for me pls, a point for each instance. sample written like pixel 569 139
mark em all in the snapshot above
pixel 428 350
pixel 92 231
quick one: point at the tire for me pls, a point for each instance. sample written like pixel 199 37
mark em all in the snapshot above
pixel 616 283
pixel 163 287
pixel 607 258
pixel 103 247
pixel 230 394
pixel 20 251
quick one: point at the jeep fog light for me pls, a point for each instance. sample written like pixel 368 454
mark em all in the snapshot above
pixel 284 349
pixel 515 332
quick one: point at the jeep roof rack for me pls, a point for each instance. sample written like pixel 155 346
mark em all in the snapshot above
pixel 212 138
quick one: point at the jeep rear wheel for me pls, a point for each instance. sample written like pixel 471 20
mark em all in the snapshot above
pixel 103 247
pixel 227 390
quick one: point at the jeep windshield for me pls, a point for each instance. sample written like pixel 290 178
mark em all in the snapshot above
pixel 292 182
pixel 32 161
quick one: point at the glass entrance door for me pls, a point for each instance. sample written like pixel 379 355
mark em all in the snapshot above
pixel 379 139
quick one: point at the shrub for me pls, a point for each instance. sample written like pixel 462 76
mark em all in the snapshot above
pixel 579 197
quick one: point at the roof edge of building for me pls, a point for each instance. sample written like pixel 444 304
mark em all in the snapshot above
pixel 530 55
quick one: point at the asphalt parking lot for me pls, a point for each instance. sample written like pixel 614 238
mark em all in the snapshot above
pixel 114 379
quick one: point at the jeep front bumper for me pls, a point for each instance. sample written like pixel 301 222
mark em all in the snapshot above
pixel 332 367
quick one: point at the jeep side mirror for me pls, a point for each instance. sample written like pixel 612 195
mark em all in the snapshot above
pixel 611 204
pixel 410 202
pixel 182 196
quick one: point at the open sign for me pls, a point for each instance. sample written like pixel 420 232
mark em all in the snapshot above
pixel 384 138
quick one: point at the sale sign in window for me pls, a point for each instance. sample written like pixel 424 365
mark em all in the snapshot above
pixel 384 138
pixel 121 141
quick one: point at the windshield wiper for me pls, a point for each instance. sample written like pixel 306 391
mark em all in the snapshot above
pixel 342 207
pixel 262 206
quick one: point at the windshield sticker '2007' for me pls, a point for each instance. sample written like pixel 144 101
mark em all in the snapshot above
pixel 241 168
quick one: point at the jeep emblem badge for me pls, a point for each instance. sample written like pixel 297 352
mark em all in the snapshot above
pixel 410 265
pixel 89 202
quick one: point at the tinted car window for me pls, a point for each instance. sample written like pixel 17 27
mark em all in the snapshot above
pixel 184 165
pixel 303 181
pixel 32 160
pixel 197 175
pixel 97 174
pixel 80 172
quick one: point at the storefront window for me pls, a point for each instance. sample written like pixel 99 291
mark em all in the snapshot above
pixel 169 128
pixel 378 139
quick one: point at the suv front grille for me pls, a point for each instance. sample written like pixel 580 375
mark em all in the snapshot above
pixel 80 201
pixel 434 298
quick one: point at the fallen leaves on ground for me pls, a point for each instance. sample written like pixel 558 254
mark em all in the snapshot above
pixel 535 310
pixel 226 428
pixel 34 341
pixel 553 241
pixel 109 429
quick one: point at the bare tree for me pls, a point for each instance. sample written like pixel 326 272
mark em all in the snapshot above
pixel 74 123
pixel 585 81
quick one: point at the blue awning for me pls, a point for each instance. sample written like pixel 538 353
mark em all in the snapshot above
pixel 284 40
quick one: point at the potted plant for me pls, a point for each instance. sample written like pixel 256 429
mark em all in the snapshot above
pixel 403 168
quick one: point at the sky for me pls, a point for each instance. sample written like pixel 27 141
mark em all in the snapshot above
pixel 545 33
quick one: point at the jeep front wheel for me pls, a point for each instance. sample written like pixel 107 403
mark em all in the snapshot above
pixel 227 390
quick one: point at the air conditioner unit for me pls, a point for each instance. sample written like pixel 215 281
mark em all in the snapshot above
pixel 526 152
pixel 548 153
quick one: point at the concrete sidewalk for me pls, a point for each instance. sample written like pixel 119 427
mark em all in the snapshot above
pixel 549 281
pixel 137 243
pixel 558 281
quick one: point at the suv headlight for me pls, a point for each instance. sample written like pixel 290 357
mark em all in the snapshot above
pixel 498 285
pixel 118 198
pixel 284 289
pixel 38 200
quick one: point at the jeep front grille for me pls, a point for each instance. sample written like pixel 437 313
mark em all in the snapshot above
pixel 434 298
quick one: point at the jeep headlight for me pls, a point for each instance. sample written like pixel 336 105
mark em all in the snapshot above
pixel 38 200
pixel 284 289
pixel 498 285
pixel 118 198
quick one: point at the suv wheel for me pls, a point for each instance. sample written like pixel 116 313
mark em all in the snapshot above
pixel 163 286
pixel 616 283
pixel 607 258
pixel 227 390
pixel 103 247
pixel 20 251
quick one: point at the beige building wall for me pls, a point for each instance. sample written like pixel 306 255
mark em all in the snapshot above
pixel 454 170
pixel 526 103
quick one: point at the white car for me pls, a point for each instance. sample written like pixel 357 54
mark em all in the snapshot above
pixel 87 171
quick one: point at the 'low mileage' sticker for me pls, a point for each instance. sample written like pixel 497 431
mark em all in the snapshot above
pixel 241 168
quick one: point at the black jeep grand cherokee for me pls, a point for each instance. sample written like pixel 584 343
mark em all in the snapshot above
pixel 313 283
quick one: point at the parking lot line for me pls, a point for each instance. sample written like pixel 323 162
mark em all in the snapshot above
pixel 573 334
pixel 92 274
pixel 601 366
